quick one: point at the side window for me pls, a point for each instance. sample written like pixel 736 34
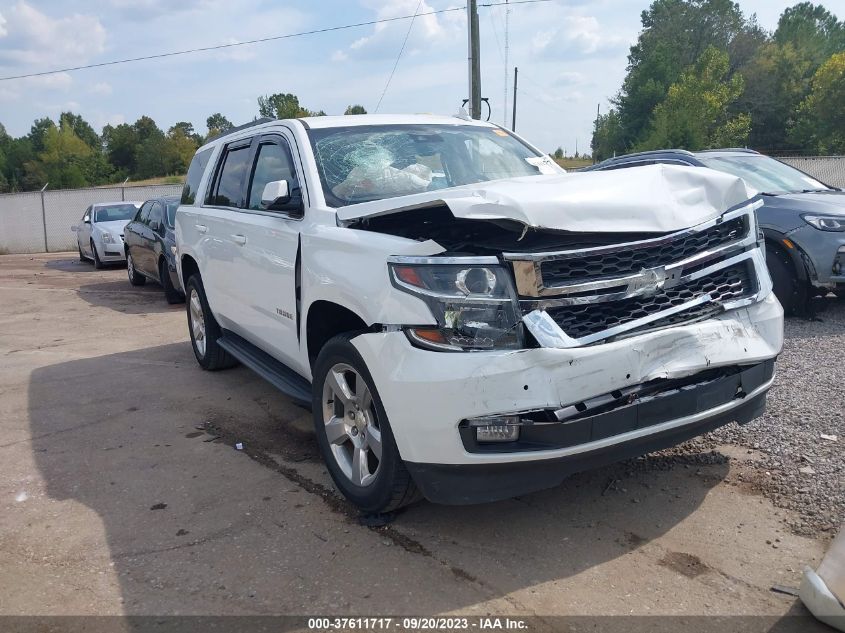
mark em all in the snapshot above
pixel 144 215
pixel 156 214
pixel 195 172
pixel 228 191
pixel 273 162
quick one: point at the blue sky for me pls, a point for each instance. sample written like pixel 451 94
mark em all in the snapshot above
pixel 571 56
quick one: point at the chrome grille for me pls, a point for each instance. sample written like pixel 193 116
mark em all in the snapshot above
pixel 579 297
pixel 578 321
pixel 556 272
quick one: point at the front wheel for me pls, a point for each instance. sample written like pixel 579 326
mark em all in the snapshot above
pixel 790 291
pixel 354 434
pixel 97 263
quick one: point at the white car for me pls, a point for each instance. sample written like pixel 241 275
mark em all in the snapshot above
pixel 467 320
pixel 99 235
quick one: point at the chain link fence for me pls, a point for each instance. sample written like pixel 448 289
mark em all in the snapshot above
pixel 829 169
pixel 36 222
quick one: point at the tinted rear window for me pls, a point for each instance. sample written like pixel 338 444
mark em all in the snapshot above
pixel 230 182
pixel 195 172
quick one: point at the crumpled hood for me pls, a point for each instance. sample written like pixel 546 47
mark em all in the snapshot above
pixel 115 227
pixel 654 198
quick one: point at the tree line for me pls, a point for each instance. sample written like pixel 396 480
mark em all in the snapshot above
pixel 702 75
pixel 69 153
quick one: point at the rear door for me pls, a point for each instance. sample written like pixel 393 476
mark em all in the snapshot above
pixel 132 234
pixel 154 224
pixel 84 233
pixel 221 224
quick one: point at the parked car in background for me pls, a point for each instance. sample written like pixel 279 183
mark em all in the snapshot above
pixel 803 219
pixel 151 247
pixel 99 235
pixel 466 320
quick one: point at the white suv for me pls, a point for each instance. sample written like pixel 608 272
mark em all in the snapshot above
pixel 466 320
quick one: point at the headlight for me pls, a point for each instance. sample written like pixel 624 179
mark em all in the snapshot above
pixel 107 238
pixel 826 222
pixel 472 300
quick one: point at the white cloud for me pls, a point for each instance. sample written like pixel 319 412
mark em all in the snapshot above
pixel 339 56
pixel 36 40
pixel 101 88
pixel 427 30
pixel 2 25
pixel 576 34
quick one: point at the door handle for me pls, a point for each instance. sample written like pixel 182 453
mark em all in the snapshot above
pixel 239 239
pixel 202 228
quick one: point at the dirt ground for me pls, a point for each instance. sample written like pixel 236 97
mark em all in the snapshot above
pixel 121 492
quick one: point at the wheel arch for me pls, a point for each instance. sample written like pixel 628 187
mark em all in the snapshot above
pixel 325 320
pixel 189 267
pixel 792 251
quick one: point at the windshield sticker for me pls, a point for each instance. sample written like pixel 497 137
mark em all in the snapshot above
pixel 543 163
pixel 499 132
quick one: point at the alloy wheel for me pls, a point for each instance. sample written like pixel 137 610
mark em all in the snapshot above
pixel 197 322
pixel 351 424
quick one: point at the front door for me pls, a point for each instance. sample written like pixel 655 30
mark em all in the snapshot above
pixel 268 242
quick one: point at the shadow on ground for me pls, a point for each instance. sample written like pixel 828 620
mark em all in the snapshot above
pixel 132 444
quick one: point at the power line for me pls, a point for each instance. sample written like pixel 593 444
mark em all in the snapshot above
pixel 399 56
pixel 257 41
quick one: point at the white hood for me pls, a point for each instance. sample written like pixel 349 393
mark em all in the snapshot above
pixel 654 198
pixel 115 227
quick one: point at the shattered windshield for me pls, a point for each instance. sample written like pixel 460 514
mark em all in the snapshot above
pixel 362 163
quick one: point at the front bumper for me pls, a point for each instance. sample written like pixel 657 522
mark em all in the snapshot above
pixel 111 252
pixel 427 394
pixel 823 249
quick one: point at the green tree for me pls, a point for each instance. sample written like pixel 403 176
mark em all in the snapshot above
pixel 120 142
pixel 187 130
pixel 821 118
pixel 608 137
pixel 558 153
pixel 696 114
pixel 38 131
pixel 64 159
pixel 355 109
pixel 217 124
pixel 675 34
pixel 81 128
pixel 812 30
pixel 284 106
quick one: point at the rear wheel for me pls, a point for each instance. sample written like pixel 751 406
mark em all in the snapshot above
pixel 97 263
pixel 170 292
pixel 135 278
pixel 82 257
pixel 354 434
pixel 790 291
pixel 204 329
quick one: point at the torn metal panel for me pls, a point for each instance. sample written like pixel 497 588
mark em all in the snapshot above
pixel 652 199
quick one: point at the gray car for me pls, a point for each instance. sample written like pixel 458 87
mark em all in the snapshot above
pixel 803 219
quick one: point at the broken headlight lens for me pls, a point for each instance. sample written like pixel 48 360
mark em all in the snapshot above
pixel 473 302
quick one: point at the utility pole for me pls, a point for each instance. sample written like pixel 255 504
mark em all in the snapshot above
pixel 513 120
pixel 474 60
pixel 507 49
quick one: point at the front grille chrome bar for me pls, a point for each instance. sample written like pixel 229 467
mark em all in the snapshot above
pixel 529 278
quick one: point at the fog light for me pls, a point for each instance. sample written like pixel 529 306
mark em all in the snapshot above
pixel 503 428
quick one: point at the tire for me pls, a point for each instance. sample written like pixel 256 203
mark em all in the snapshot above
pixel 97 263
pixel 204 337
pixel 790 291
pixel 82 257
pixel 135 278
pixel 384 483
pixel 171 294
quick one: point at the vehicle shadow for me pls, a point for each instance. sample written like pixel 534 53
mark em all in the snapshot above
pixel 181 524
pixel 121 296
pixel 76 265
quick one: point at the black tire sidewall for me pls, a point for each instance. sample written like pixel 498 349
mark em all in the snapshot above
pixel 378 495
pixel 97 262
pixel 195 283
pixel 784 280
pixel 135 278
pixel 170 293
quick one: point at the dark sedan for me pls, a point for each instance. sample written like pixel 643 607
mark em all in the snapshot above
pixel 151 247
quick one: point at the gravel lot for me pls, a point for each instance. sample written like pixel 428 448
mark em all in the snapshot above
pixel 121 491
pixel 787 458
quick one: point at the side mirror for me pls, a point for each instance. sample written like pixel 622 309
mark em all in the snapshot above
pixel 156 227
pixel 276 194
pixel 88 221
pixel 74 228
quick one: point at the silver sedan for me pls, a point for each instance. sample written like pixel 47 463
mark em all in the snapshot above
pixel 99 235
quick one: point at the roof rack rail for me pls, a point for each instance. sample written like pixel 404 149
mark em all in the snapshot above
pixel 744 150
pixel 260 121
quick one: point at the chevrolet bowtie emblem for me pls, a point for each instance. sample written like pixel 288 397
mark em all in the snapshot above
pixel 648 283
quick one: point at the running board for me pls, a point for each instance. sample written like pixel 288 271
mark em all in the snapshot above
pixel 277 374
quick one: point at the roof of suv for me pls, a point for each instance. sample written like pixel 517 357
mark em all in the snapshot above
pixel 319 122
